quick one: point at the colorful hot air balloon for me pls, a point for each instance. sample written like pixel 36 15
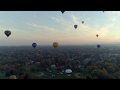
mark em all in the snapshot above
pixel 7 33
pixel 34 45
pixel 55 44
pixel 75 26
pixel 68 72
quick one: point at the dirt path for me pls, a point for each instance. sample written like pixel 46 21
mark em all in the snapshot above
pixel 40 74
pixel 77 75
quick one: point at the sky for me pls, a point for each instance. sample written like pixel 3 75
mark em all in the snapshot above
pixel 46 27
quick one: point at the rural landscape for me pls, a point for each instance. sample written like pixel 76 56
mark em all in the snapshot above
pixel 46 62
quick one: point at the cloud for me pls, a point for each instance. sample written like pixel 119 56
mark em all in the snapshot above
pixel 42 27
pixel 62 21
pixel 75 19
pixel 84 32
pixel 113 15
pixel 68 33
pixel 104 31
pixel 112 12
pixel 44 32
pixel 113 19
pixel 11 29
pixel 67 24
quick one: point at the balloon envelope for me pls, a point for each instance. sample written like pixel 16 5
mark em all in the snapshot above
pixel 98 46
pixel 68 72
pixel 62 11
pixel 55 44
pixel 97 35
pixel 82 22
pixel 7 33
pixel 34 45
pixel 75 26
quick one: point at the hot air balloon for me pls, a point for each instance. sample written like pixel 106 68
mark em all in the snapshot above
pixel 82 22
pixel 53 67
pixel 55 44
pixel 68 72
pixel 97 35
pixel 75 26
pixel 34 45
pixel 98 46
pixel 62 12
pixel 7 33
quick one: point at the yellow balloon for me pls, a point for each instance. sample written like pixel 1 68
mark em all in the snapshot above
pixel 55 44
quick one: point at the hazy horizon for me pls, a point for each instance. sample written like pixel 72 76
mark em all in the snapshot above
pixel 61 45
pixel 46 27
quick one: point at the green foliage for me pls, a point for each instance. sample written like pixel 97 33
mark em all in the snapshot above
pixel 116 75
pixel 89 69
pixel 7 74
pixel 82 77
pixel 88 76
